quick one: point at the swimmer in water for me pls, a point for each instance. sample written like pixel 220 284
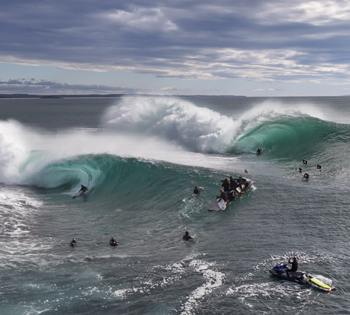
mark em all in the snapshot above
pixel 113 242
pixel 187 237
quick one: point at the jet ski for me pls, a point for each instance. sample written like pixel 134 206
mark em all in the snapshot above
pixel 280 271
pixel 242 186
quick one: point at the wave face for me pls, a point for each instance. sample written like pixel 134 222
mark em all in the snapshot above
pixel 290 137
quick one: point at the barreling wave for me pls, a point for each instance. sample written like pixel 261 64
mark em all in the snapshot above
pixel 281 131
pixel 116 178
pixel 293 137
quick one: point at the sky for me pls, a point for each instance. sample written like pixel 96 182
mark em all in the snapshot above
pixel 175 47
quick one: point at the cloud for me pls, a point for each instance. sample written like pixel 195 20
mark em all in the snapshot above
pixel 274 40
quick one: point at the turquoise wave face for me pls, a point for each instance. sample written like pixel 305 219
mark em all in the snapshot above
pixel 290 138
pixel 125 179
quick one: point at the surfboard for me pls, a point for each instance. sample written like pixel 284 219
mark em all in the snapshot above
pixel 218 206
pixel 81 194
pixel 319 284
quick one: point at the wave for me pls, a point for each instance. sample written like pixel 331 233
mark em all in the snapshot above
pixel 280 130
pixel 293 137
pixel 194 128
pixel 168 129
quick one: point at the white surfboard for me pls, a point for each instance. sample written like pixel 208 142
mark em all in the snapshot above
pixel 218 206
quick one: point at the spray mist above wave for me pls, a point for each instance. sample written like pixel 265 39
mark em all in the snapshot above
pixel 194 128
pixel 199 129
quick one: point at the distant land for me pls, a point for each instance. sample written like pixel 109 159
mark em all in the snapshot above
pixel 103 95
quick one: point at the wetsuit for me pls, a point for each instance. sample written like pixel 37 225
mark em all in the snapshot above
pixel 233 183
pixel 83 188
pixel 196 191
pixel 223 196
pixel 186 237
pixel 113 242
pixel 294 266
pixel 226 185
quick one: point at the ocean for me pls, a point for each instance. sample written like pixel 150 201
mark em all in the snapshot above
pixel 141 158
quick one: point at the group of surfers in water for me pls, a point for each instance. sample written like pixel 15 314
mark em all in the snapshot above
pixel 306 175
pixel 112 242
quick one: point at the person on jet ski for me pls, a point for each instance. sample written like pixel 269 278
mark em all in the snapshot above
pixel 294 264
pixel 234 183
pixel 226 184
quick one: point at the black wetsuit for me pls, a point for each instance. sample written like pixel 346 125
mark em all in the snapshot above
pixel 223 196
pixel 83 188
pixel 186 237
pixel 196 191
pixel 294 266
pixel 113 242
pixel 226 185
pixel 233 183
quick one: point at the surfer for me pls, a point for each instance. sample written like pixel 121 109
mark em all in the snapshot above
pixel 187 237
pixel 258 152
pixel 196 191
pixel 300 170
pixel 305 162
pixel 319 167
pixel 83 189
pixel 306 176
pixel 113 242
pixel 245 171
pixel 223 195
pixel 73 242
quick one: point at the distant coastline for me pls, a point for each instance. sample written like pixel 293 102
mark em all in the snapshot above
pixel 2 96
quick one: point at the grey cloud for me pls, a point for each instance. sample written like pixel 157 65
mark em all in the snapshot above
pixel 183 39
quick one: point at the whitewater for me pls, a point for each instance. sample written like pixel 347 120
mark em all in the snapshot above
pixel 141 157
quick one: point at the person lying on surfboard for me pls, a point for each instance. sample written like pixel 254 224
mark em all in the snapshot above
pixel 223 196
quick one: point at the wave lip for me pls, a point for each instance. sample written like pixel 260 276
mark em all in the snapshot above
pixel 195 128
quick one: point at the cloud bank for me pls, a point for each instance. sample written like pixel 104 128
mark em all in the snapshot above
pixel 265 41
